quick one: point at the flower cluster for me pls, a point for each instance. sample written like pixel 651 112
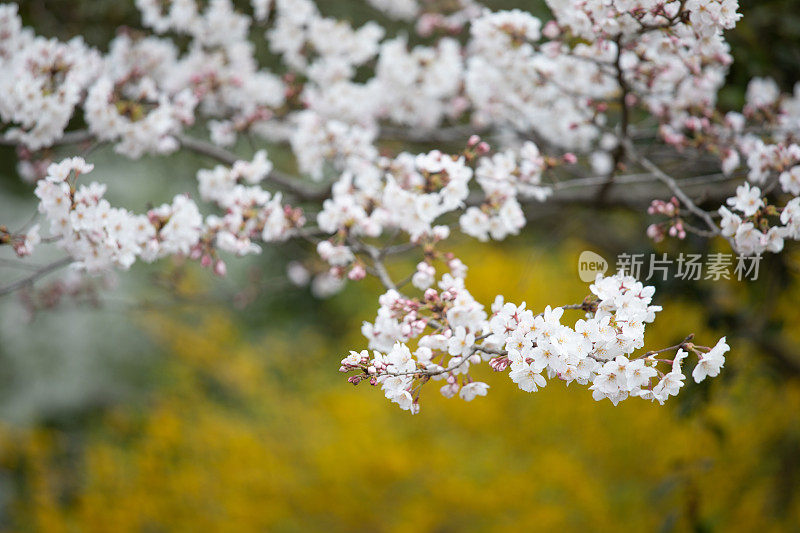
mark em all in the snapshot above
pixel 324 49
pixel 754 220
pixel 420 87
pixel 250 211
pixel 126 104
pixel 98 236
pixel 503 177
pixel 752 231
pixel 674 226
pixel 23 243
pixel 145 89
pixel 316 141
pixel 414 192
pixel 595 351
pixel 43 81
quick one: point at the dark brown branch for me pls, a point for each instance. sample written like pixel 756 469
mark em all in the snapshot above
pixel 619 151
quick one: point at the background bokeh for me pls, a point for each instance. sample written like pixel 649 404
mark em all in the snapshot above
pixel 175 401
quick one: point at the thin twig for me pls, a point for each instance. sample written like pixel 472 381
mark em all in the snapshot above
pixel 70 137
pixel 670 182
pixel 302 190
pixel 29 280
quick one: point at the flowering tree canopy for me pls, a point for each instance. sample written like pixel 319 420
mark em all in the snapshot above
pixel 604 93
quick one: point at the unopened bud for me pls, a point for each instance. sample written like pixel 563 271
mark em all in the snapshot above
pixel 356 273
pixel 219 268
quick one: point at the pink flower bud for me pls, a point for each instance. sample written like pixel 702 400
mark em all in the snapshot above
pixel 219 268
pixel 427 23
pixel 459 104
pixel 473 140
pixel 356 273
pixel 551 30
pixel 499 364
pixel 570 158
pixel 681 231
pixel 655 232
pixel 206 261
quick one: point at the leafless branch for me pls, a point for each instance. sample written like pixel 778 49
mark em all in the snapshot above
pixel 302 191
pixel 670 182
pixel 39 273
pixel 70 137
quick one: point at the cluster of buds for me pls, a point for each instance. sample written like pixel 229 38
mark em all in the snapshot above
pixel 475 148
pixel 23 243
pixel 430 23
pixel 407 312
pixel 498 364
pixel 674 227
pixel 207 254
pixel 72 288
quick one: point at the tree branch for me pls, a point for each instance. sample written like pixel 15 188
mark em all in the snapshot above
pixel 670 182
pixel 40 273
pixel 70 137
pixel 302 190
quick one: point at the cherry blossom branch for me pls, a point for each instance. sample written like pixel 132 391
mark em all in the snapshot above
pixel 301 190
pixel 619 151
pixel 649 177
pixel 683 344
pixel 670 182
